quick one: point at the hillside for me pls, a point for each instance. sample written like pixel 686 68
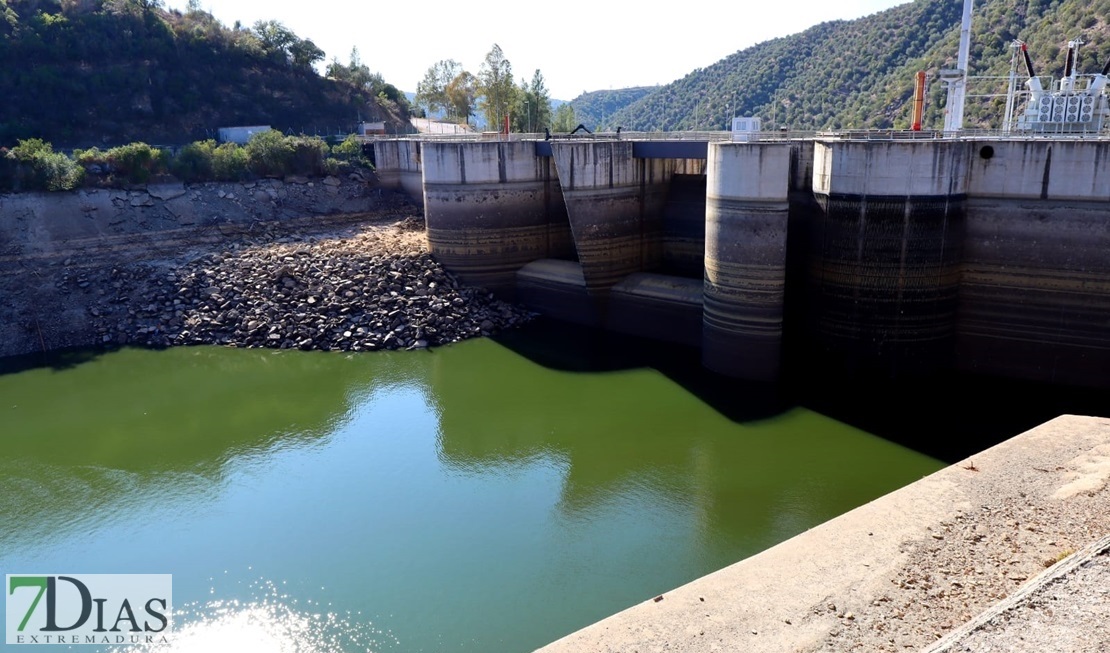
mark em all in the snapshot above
pixel 96 72
pixel 595 107
pixel 859 74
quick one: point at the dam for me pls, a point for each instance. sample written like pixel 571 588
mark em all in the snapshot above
pixel 885 254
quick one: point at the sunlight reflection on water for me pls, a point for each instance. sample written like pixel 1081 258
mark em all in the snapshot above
pixel 271 622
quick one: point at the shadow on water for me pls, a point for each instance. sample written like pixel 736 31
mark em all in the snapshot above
pixel 945 416
pixel 575 348
pixel 950 416
pixel 58 360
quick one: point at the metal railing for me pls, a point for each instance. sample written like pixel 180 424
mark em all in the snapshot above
pixel 762 136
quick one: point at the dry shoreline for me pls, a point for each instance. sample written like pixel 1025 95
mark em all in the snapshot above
pixel 363 288
pixel 337 265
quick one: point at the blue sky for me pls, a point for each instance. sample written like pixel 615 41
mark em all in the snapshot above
pixel 577 45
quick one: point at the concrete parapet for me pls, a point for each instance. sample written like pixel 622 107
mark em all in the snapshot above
pixel 614 204
pixel 746 220
pixel 1074 170
pixel 891 168
pixel 491 208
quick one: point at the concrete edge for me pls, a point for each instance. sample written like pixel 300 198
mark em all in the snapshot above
pixel 1015 600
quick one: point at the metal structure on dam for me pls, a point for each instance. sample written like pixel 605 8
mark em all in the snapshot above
pixel 896 253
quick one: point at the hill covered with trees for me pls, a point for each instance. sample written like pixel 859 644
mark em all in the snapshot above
pixel 596 107
pixel 83 73
pixel 859 73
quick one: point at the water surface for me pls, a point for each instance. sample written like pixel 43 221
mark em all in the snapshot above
pixel 462 499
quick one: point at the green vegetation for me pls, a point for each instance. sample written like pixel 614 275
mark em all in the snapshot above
pixel 357 75
pixel 450 89
pixel 90 72
pixel 33 165
pixel 434 92
pixel 859 74
pixel 565 119
pixel 594 108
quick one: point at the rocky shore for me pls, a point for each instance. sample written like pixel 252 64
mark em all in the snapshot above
pixel 334 265
pixel 362 289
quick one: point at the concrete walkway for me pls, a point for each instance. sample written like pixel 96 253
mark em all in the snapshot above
pixel 903 571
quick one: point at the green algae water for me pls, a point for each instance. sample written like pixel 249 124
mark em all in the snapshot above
pixel 462 499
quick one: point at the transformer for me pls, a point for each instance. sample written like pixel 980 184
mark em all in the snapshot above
pixel 1075 105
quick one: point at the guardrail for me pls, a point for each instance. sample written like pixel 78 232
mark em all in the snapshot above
pixel 762 136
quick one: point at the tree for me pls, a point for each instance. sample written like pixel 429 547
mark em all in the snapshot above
pixel 432 90
pixel 9 20
pixel 274 36
pixel 355 73
pixel 359 75
pixel 461 96
pixel 304 53
pixel 279 41
pixel 535 110
pixel 564 120
pixel 495 85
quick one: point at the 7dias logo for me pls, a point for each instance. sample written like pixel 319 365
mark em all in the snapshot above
pixel 88 608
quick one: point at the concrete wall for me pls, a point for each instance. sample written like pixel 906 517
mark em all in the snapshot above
pixel 745 258
pixel 1035 289
pixel 491 208
pixel 885 252
pixel 398 164
pixel 614 203
pixel 900 256
pixel 1039 169
pixel 684 226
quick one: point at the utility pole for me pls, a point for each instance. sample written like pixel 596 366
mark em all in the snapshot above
pixel 957 79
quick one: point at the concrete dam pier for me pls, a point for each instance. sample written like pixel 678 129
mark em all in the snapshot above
pixel 889 257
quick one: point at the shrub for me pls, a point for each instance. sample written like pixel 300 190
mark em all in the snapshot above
pixel 350 150
pixel 58 171
pixel 269 154
pixel 90 157
pixel 137 161
pixel 309 154
pixel 27 149
pixel 336 167
pixel 194 162
pixel 34 165
pixel 230 163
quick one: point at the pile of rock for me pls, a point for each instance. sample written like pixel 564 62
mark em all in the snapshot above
pixel 350 294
